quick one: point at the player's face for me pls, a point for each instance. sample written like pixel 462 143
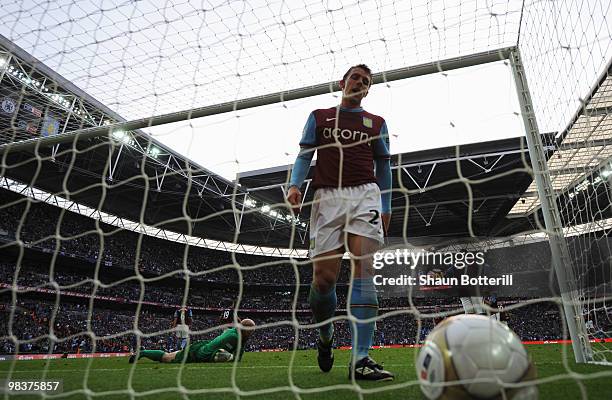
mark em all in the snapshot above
pixel 356 85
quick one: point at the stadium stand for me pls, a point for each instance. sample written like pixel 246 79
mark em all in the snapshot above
pixel 112 307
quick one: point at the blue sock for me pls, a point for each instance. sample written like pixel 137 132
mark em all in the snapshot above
pixel 364 305
pixel 323 307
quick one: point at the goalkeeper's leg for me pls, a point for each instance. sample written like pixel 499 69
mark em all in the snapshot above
pixel 155 355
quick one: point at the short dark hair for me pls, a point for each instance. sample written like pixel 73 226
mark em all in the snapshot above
pixel 363 67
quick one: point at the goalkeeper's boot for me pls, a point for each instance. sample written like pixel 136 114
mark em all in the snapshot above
pixel 325 356
pixel 367 369
pixel 223 356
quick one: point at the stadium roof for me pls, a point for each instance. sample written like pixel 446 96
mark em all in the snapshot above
pixel 581 168
pixel 120 176
pixel 431 188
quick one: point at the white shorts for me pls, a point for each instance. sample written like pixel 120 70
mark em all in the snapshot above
pixel 182 331
pixel 336 211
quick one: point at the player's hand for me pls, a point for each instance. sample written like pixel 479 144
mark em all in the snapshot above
pixel 294 197
pixel 386 220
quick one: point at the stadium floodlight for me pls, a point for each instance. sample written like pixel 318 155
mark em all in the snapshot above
pixel 265 208
pixel 121 136
pixel 606 172
pixel 154 151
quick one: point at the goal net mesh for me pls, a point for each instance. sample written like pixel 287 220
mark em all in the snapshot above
pixel 103 238
pixel 558 58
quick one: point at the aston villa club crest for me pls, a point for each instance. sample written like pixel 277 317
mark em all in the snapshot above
pixel 50 127
pixel 367 122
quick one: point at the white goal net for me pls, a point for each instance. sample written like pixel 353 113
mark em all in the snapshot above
pixel 147 150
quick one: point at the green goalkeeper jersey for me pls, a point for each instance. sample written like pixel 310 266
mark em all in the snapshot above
pixel 205 350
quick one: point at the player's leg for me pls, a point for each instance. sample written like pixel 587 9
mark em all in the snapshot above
pixel 323 302
pixel 466 303
pixel 473 305
pixel 327 220
pixel 363 305
pixel 322 296
pixel 364 237
pixel 155 355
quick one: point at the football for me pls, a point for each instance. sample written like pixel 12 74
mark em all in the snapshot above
pixel 472 356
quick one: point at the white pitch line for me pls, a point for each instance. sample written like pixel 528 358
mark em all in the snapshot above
pixel 208 366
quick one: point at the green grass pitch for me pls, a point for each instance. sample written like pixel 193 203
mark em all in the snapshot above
pixel 269 376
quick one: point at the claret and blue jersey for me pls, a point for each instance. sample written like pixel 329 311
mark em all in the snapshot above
pixel 349 143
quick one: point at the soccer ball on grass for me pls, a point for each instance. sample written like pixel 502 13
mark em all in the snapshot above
pixel 475 357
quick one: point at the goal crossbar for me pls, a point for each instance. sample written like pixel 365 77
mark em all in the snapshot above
pixel 257 101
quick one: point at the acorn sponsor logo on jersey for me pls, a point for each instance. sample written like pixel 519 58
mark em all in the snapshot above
pixel 346 134
pixel 367 122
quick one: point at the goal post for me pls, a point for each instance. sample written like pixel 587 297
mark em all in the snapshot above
pixel 561 258
pixel 279 97
pixel 561 261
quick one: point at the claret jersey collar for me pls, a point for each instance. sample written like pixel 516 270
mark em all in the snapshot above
pixel 358 109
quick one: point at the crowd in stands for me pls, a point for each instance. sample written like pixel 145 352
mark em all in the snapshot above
pixel 71 283
pixel 133 268
pixel 129 290
pixel 75 326
pixel 43 226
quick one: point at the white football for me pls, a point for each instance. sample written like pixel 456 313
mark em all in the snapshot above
pixel 473 356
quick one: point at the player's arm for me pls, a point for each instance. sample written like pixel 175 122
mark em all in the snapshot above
pixel 242 349
pixel 382 163
pixel 189 318
pixel 174 320
pixel 299 172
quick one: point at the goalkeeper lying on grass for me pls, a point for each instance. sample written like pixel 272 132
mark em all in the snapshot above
pixel 223 348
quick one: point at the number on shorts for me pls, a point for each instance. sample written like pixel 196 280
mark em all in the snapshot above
pixel 374 219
